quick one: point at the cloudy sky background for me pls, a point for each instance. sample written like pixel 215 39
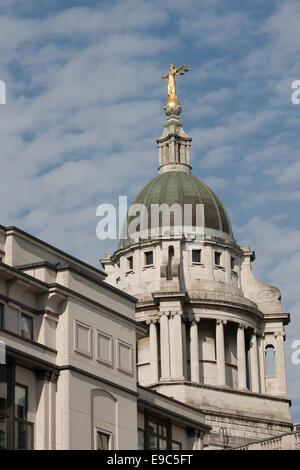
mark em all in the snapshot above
pixel 84 107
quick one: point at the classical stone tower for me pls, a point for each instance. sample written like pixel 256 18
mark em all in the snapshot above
pixel 211 323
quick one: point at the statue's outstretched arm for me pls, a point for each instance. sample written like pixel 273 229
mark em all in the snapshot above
pixel 182 67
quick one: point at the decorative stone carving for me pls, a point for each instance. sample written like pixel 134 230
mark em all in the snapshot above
pixel 271 294
pixel 280 335
pixel 164 313
pixel 151 320
pixel 175 312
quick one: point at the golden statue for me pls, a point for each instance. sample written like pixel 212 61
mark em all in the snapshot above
pixel 173 106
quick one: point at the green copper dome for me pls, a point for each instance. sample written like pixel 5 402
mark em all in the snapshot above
pixel 183 188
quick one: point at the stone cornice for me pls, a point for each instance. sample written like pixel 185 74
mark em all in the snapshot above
pixel 176 295
pixel 208 240
pixel 281 316
pixel 255 314
pixel 224 390
pixel 76 270
pixel 12 230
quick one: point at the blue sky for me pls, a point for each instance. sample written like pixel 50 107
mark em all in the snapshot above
pixel 84 107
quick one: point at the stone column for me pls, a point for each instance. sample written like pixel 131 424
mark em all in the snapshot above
pixel 52 411
pixel 262 365
pixel 166 154
pixel 201 438
pixel 160 155
pixel 194 439
pixel 172 145
pixel 188 154
pixel 220 348
pixel 153 346
pixel 194 351
pixel 254 363
pixel 280 362
pixel 241 356
pixel 45 421
pixel 184 346
pixel 176 346
pixel 164 345
pixel 182 153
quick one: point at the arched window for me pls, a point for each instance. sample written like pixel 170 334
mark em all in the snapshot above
pixel 270 360
pixel 170 262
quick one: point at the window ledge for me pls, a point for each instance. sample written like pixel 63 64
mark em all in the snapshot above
pixel 146 266
pixel 216 266
pixel 131 271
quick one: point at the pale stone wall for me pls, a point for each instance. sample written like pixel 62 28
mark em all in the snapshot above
pixel 103 408
pixel 79 366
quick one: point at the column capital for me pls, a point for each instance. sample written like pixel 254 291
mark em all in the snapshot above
pixel 164 313
pixel 193 318
pixel 151 320
pixel 54 377
pixel 44 376
pixel 280 335
pixel 173 313
pixel 243 325
pixel 221 321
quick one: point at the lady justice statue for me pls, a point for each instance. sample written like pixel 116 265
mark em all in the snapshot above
pixel 173 106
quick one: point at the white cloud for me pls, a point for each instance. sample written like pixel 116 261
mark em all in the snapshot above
pixel 217 184
pixel 219 156
pixel 215 28
pixel 85 106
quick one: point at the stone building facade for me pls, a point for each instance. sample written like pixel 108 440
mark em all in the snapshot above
pixel 69 378
pixel 211 322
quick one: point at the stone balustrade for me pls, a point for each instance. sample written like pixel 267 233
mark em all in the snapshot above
pixel 289 441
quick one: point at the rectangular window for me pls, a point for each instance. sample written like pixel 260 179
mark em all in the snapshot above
pixel 15 431
pixel 26 326
pixel 149 258
pixel 158 435
pixel 3 389
pixel 141 439
pixel 1 316
pixel 196 256
pixel 23 429
pixel 21 402
pixel 3 406
pixel 232 262
pixel 217 258
pixel 176 445
pixel 130 263
pixel 3 433
pixel 103 440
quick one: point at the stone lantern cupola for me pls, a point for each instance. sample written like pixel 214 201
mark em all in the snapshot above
pixel 174 147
